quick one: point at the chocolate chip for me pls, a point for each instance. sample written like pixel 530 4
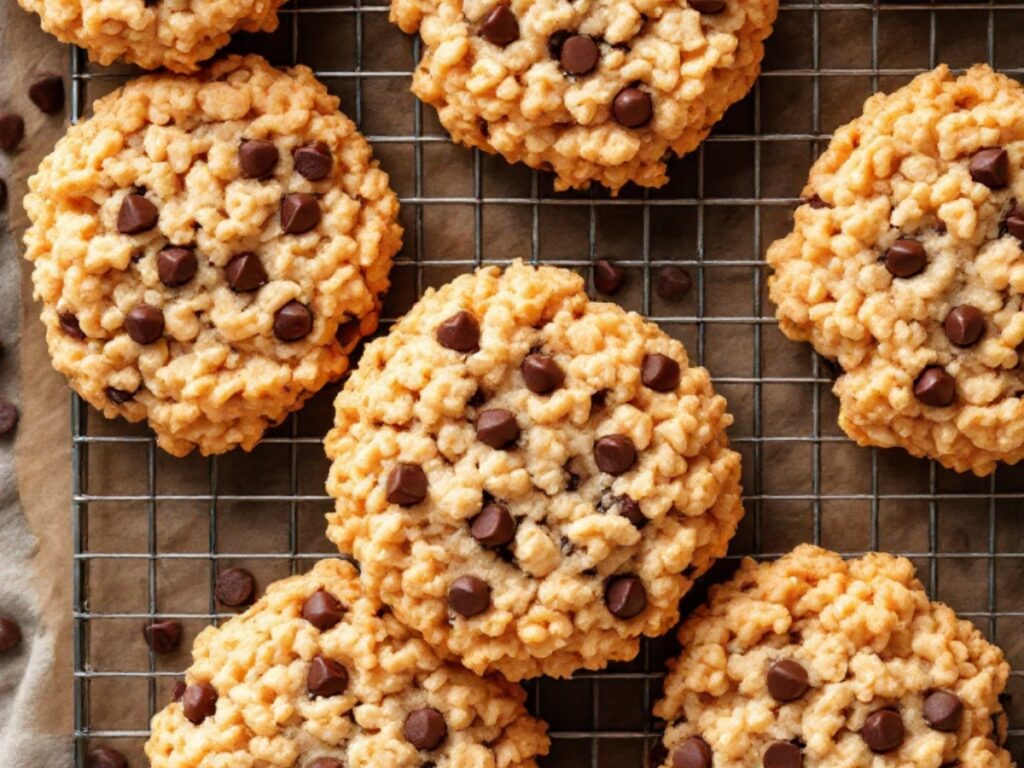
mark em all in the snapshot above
pixel 47 93
pixel 783 754
pixel 632 107
pixel 469 596
pixel 905 258
pixel 178 691
pixel 935 387
pixel 542 374
pixel 105 757
pixel 425 728
pixel 629 508
pixel 500 26
pixel 326 677
pixel 257 158
pixel 348 332
pixel 293 321
pixel 964 325
pixel 326 762
pixel 579 55
pixel 12 130
pixel 300 212
pixel 406 485
pixel 497 428
pixel 1014 222
pixel 882 731
pixel 708 7
pixel 322 610
pixel 991 167
pixel 144 323
pixel 118 396
pixel 199 702
pixel 660 373
pixel 69 324
pixel 673 283
pixel 614 454
pixel 162 636
pixel 10 634
pixel 943 710
pixel 8 416
pixel 573 481
pixel 313 161
pixel 692 753
pixel 625 596
pixel 176 266
pixel 608 277
pixel 460 332
pixel 494 526
pixel 137 215
pixel 787 680
pixel 235 587
pixel 245 273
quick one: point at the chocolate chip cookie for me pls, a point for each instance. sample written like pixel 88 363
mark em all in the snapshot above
pixel 598 91
pixel 814 661
pixel 530 479
pixel 317 674
pixel 905 265
pixel 208 250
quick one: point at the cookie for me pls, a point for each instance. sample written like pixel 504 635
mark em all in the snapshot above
pixel 905 265
pixel 599 91
pixel 208 250
pixel 176 34
pixel 530 479
pixel 317 675
pixel 814 661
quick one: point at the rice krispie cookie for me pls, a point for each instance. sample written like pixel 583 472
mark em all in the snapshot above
pixel 176 34
pixel 209 249
pixel 599 91
pixel 814 661
pixel 530 479
pixel 905 265
pixel 318 675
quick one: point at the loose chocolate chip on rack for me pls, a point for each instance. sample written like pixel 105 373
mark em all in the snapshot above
pixel 322 610
pixel 313 161
pixel 178 691
pixel 8 416
pixel 542 374
pixel 425 728
pixel 300 212
pixel 293 321
pixel 348 332
pixel 579 55
pixel 47 93
pixel 608 277
pixel 783 754
pixel 494 526
pixel 199 701
pixel 935 387
pixel 905 258
pixel 12 130
pixel 659 372
pixel 105 757
pixel 235 587
pixel 632 107
pixel 692 753
pixel 882 731
pixel 119 396
pixel 144 323
pixel 964 325
pixel 708 7
pixel 497 428
pixel 175 265
pixel 137 214
pixel 245 273
pixel 460 332
pixel 69 324
pixel 787 680
pixel 469 596
pixel 10 634
pixel 614 454
pixel 162 636
pixel 1015 222
pixel 991 167
pixel 500 26
pixel 326 762
pixel 673 283
pixel 625 596
pixel 257 158
pixel 407 485
pixel 326 677
pixel 943 710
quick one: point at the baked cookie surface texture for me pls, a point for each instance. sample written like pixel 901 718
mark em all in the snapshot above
pixel 530 479
pixel 905 265
pixel 316 675
pixel 593 91
pixel 207 250
pixel 811 660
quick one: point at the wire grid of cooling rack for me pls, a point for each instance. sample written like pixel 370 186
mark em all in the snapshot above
pixel 961 532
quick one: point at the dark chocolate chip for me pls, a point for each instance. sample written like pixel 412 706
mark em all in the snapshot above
pixel 497 428
pixel 579 55
pixel 692 753
pixel 406 485
pixel 632 107
pixel 673 283
pixel 12 130
pixel 293 321
pixel 313 161
pixel 660 373
pixel 625 596
pixel 69 324
pixel 707 7
pixel 257 158
pixel 175 265
pixel 8 416
pixel 905 258
pixel 494 526
pixel 572 481
pixel 991 167
pixel 787 680
pixel 542 374
pixel 144 323
pixel 783 754
pixel 199 702
pixel 943 710
pixel 162 636
pixel 500 26
pixel 608 277
pixel 105 757
pixel 47 93
pixel 964 325
pixel 119 396
pixel 326 762
pixel 614 454
pixel 235 587
pixel 137 214
pixel 322 610
pixel 935 387
pixel 326 677
pixel 460 332
pixel 629 508
pixel 10 634
pixel 245 272
pixel 1014 222
pixel 425 728
pixel 469 596
pixel 882 731
pixel 178 691
pixel 300 212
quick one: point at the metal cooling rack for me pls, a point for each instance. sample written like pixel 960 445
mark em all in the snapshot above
pixel 724 205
